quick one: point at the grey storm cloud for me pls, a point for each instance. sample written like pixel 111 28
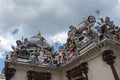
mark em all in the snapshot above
pixel 50 16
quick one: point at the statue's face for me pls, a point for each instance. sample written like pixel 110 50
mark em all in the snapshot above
pixel 111 23
pixel 18 42
pixel 71 27
pixel 91 19
pixel 107 18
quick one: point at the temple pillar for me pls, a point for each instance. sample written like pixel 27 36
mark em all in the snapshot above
pixel 84 68
pixel 9 73
pixel 108 57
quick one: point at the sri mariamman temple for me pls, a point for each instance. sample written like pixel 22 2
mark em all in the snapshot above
pixel 91 52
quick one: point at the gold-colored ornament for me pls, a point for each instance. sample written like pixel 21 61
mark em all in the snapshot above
pixel 39 33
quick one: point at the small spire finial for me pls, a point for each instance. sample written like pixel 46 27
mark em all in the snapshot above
pixel 39 33
pixel 97 12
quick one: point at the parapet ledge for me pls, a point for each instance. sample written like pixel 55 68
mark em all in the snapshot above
pixel 92 52
pixel 85 56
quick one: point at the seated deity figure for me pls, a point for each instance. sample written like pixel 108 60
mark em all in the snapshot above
pixel 96 26
pixel 83 25
pixel 42 57
pixel 92 25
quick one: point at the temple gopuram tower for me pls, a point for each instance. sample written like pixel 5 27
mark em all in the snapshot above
pixel 91 52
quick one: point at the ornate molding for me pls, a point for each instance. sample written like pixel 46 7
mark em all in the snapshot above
pixel 92 53
pixel 27 66
pixel 33 75
pixel 86 56
pixel 89 54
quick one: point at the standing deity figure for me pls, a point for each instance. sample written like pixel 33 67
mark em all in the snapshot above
pixel 60 54
pixel 70 51
pixel 117 32
pixel 72 32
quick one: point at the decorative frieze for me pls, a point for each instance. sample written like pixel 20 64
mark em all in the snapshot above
pixel 86 56
pixel 26 66
pixel 77 73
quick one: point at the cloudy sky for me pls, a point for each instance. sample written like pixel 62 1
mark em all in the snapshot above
pixel 52 17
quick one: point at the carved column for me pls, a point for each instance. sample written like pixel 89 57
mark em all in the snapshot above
pixel 68 75
pixel 9 73
pixel 108 57
pixel 84 69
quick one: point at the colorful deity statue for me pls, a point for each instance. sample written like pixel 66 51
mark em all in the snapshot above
pixel 117 32
pixel 19 44
pixel 95 26
pixel 13 56
pixel 32 57
pixel 70 51
pixel 107 21
pixel 42 56
pixel 60 54
pixel 72 32
pixel 77 46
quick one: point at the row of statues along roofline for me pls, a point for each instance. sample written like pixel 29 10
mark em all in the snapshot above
pixel 40 52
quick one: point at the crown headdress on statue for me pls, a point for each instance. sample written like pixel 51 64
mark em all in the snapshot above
pixel 39 33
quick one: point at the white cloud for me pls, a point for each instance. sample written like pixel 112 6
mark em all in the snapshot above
pixel 52 18
pixel 119 1
pixel 5 44
pixel 59 37
pixel 7 40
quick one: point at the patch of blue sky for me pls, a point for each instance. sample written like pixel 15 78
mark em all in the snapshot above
pixel 15 31
pixel 2 64
pixel 2 61
pixel 56 46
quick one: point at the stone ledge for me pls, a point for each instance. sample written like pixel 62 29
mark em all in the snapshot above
pixel 86 55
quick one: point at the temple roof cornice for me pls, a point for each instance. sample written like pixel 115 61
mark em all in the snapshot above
pixel 85 56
